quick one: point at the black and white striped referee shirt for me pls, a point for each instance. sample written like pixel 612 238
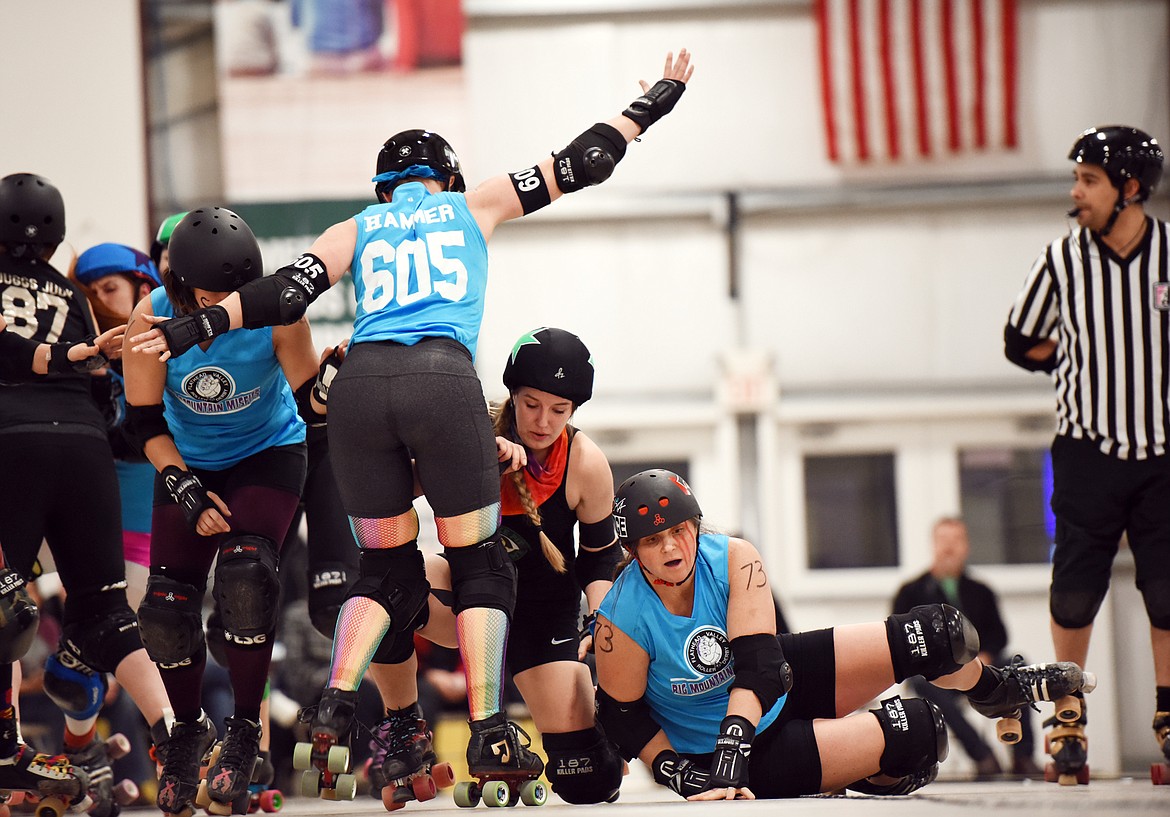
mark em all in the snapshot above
pixel 1110 319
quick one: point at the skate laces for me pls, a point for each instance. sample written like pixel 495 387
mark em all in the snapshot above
pixel 1026 679
pixel 393 732
pixel 181 749
pixel 241 744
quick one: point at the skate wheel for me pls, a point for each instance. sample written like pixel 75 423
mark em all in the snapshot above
pixel 310 783
pixel 443 774
pixel 202 798
pixel 466 794
pixel 1083 775
pixel 424 788
pixel 533 793
pixel 1008 730
pixel 1160 774
pixel 496 794
pixel 388 799
pixel 345 785
pixel 221 809
pixel 118 746
pixel 213 755
pixel 126 792
pixel 338 760
pixel 50 807
pixel 5 811
pixel 16 798
pixel 271 800
pixel 303 757
pixel 1068 709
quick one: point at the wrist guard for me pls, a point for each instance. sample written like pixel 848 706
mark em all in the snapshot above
pixel 733 748
pixel 681 776
pixel 60 363
pixel 186 332
pixel 325 375
pixel 655 103
pixel 186 489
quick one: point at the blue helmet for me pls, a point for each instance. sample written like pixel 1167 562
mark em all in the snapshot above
pixel 110 259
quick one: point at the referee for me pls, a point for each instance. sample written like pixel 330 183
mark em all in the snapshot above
pixel 1095 313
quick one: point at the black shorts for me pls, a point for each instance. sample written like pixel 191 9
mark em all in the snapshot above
pixel 543 632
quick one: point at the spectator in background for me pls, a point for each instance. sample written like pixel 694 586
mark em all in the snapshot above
pixel 947 582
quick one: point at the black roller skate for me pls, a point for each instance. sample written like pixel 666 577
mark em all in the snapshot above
pixel 234 762
pixel 95 758
pixel 404 766
pixel 505 770
pixel 181 753
pixel 57 783
pixel 1160 772
pixel 261 795
pixel 903 785
pixel 1024 684
pixel 325 758
pixel 1066 743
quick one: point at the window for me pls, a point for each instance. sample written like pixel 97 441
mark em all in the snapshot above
pixel 1005 495
pixel 851 510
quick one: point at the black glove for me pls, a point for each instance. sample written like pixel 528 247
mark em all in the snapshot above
pixel 325 375
pixel 679 775
pixel 733 747
pixel 60 363
pixel 186 489
pixel 183 333
pixel 655 103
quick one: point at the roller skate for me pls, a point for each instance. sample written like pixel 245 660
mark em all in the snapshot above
pixel 1023 685
pixel 181 753
pixel 95 758
pixel 901 786
pixel 233 764
pixel 261 795
pixel 51 780
pixel 325 759
pixel 505 771
pixel 1067 744
pixel 1160 772
pixel 404 766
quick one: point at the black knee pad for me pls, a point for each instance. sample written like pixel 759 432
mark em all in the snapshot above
pixel 328 585
pixel 247 590
pixel 217 637
pixel 105 632
pixel 483 575
pixel 1074 609
pixel 170 619
pixel 1157 598
pixel 19 617
pixel 398 645
pixel 915 733
pixel 396 578
pixel 932 640
pixel 582 766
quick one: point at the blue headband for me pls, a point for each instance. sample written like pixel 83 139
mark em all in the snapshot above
pixel 414 170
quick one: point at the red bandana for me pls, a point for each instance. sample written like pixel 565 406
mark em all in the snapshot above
pixel 542 480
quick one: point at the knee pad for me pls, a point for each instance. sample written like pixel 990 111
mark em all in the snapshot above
pixel 396 578
pixel 915 734
pixel 1074 609
pixel 78 690
pixel 170 620
pixel 247 590
pixel 107 635
pixel 217 637
pixel 1157 598
pixel 19 617
pixel 482 575
pixel 932 640
pixel 328 585
pixel 398 645
pixel 582 766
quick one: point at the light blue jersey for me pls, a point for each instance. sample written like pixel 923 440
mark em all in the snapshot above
pixel 691 669
pixel 420 269
pixel 229 402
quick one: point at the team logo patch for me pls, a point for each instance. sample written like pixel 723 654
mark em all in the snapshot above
pixel 708 655
pixel 404 150
pixel 213 391
pixel 1161 296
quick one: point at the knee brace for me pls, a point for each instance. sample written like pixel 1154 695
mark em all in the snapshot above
pixel 915 734
pixel 582 766
pixel 170 620
pixel 247 590
pixel 19 617
pixel 328 584
pixel 396 578
pixel 78 690
pixel 483 575
pixel 107 633
pixel 932 640
pixel 1073 609
pixel 1156 595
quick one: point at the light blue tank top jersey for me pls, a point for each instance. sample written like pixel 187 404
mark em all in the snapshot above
pixel 230 402
pixel 691 668
pixel 420 269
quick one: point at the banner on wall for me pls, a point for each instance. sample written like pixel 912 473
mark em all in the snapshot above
pixel 915 80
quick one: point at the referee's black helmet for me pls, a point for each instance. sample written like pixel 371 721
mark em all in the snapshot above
pixel 1124 153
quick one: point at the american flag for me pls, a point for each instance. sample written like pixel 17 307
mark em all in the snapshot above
pixel 911 80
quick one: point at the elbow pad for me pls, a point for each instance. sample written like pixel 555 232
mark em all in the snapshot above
pixel 283 297
pixel 1015 348
pixel 629 725
pixel 760 666
pixel 144 423
pixel 589 159
pixel 597 565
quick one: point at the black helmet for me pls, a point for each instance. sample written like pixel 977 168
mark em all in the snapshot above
pixel 419 147
pixel 1124 153
pixel 551 360
pixel 651 501
pixel 31 210
pixel 212 248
